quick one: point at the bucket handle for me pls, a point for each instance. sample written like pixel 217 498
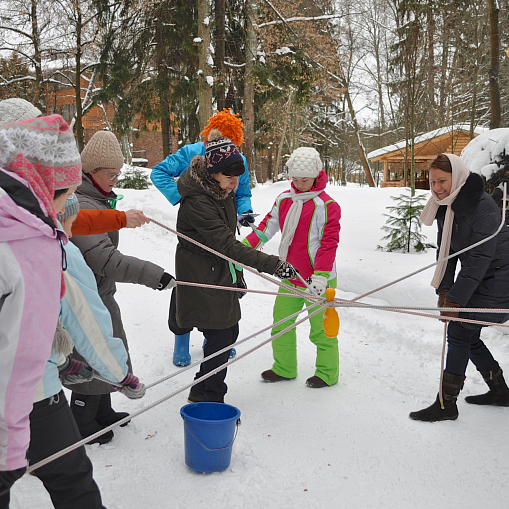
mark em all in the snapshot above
pixel 237 424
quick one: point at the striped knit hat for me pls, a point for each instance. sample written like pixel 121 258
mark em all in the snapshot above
pixel 102 151
pixel 72 207
pixel 220 152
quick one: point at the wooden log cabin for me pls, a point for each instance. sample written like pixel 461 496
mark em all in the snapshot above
pixel 451 140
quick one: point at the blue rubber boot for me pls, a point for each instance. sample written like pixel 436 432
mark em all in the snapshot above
pixel 233 352
pixel 181 356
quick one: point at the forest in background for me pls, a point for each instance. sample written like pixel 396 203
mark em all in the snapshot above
pixel 344 76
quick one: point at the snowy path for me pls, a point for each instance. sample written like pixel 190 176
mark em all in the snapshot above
pixel 349 446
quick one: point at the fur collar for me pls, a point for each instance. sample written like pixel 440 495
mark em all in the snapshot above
pixel 470 194
pixel 199 173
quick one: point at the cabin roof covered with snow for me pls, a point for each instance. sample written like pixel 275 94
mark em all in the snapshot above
pixel 428 144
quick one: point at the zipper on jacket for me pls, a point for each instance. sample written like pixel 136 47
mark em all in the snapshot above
pixel 64 255
pixel 209 274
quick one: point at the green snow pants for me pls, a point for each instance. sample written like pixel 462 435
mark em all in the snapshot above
pixel 284 348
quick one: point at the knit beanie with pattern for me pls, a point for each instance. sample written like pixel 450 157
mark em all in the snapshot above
pixel 43 151
pixel 72 207
pixel 304 163
pixel 17 109
pixel 220 152
pixel 102 151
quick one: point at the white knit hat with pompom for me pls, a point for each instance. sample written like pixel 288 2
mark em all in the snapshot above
pixel 304 163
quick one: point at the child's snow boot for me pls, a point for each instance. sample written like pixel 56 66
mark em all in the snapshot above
pixel 233 352
pixel 315 382
pixel 270 376
pixel 498 395
pixel 451 387
pixel 106 416
pixel 181 356
pixel 84 409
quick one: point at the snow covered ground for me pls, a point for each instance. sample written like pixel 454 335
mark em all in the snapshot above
pixel 349 446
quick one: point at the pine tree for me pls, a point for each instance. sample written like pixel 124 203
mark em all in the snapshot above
pixel 403 229
pixel 133 178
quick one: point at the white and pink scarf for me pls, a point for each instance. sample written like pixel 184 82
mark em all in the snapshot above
pixel 460 174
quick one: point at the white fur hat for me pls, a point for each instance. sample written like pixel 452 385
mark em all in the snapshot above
pixel 304 162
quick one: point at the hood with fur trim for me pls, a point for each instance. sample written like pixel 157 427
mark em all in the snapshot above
pixel 197 180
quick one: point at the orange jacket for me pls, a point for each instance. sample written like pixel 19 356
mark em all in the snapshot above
pixel 94 221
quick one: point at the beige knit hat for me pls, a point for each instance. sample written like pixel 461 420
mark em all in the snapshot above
pixel 102 151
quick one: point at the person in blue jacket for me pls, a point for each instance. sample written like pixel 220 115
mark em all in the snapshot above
pixel 163 176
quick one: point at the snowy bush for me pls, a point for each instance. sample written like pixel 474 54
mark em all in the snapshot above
pixel 488 153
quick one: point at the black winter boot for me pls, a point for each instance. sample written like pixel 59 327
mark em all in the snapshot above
pixel 106 416
pixel 498 395
pixel 451 387
pixel 84 409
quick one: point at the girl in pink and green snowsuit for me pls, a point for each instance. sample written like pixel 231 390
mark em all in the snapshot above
pixel 309 221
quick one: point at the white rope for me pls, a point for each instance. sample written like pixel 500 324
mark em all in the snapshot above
pixel 171 395
pixel 336 303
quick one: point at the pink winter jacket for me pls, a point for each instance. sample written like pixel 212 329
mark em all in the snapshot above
pixel 316 239
pixel 30 279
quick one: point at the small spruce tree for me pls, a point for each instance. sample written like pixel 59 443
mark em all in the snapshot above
pixel 404 227
pixel 133 178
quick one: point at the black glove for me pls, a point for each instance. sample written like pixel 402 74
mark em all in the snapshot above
pixel 241 283
pixel 9 477
pixel 167 282
pixel 246 220
pixel 285 270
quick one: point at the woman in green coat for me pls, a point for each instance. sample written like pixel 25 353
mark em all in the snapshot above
pixel 208 214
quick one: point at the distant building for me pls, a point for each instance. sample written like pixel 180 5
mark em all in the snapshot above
pixel 451 140
pixel 147 145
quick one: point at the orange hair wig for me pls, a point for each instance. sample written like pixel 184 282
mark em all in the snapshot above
pixel 230 125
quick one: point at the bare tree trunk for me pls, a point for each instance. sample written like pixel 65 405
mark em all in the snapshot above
pixel 166 128
pixel 269 163
pixel 494 60
pixel 205 78
pixel 249 89
pixel 220 15
pixel 39 86
pixel 431 61
pixel 281 143
pixel 358 141
pixel 80 135
pixel 444 70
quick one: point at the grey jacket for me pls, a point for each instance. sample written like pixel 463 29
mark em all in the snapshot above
pixel 109 266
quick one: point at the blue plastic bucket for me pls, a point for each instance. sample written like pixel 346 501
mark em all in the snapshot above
pixel 209 433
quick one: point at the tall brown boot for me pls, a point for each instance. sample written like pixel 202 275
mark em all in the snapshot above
pixel 451 387
pixel 498 395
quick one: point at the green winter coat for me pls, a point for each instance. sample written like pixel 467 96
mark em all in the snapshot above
pixel 208 214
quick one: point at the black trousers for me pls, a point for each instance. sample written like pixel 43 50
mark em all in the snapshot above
pixel 67 479
pixel 172 317
pixel 214 388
